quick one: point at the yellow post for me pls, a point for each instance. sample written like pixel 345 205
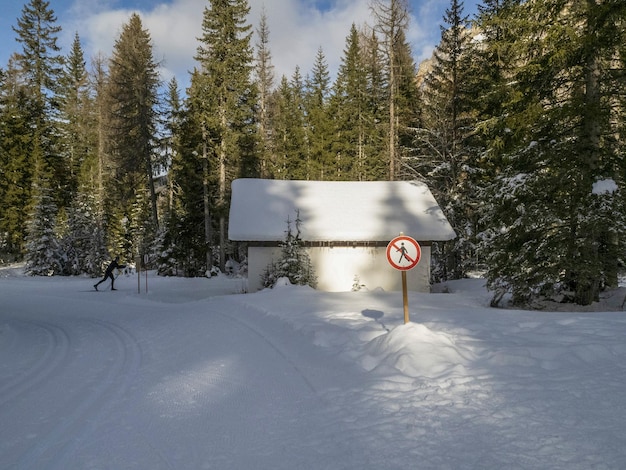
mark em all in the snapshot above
pixel 405 298
pixel 145 268
pixel 138 268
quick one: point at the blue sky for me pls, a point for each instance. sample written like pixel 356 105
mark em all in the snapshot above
pixel 298 28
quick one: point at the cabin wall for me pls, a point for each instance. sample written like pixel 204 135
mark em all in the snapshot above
pixel 338 268
pixel 259 257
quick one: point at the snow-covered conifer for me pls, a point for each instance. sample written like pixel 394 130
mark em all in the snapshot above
pixel 294 262
pixel 43 257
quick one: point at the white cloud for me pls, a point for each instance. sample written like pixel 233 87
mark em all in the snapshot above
pixel 297 29
pixel 173 27
pixel 296 32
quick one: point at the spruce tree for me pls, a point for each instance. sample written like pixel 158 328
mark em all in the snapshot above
pixel 132 133
pixel 170 145
pixel 16 161
pixel 549 236
pixel 168 258
pixel 392 20
pixel 491 66
pixel 294 262
pixel 443 154
pixel 353 117
pixel 43 252
pixel 101 165
pixel 83 242
pixel 225 100
pixel 347 110
pixel 187 242
pixel 264 72
pixel 375 165
pixel 40 65
pixel 318 125
pixel 78 142
pixel 29 131
pixel 288 135
pixel 408 105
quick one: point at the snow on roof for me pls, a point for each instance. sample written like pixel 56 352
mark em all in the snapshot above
pixel 335 210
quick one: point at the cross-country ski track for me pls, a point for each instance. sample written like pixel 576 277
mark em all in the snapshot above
pixel 195 375
pixel 123 392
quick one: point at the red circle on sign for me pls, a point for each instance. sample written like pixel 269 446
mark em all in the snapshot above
pixel 403 253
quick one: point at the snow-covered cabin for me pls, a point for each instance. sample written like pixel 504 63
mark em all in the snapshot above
pixel 346 227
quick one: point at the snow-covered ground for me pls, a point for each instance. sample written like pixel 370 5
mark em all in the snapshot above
pixel 195 375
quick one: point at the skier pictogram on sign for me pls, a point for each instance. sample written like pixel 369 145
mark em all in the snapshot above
pixel 403 253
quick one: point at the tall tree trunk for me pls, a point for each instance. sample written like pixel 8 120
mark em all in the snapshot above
pixel 393 131
pixel 588 287
pixel 392 19
pixel 153 198
pixel 222 191
pixel 208 235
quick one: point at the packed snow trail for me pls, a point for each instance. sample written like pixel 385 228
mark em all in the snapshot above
pixel 145 387
pixel 190 376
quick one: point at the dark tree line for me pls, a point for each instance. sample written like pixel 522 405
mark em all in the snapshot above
pixel 516 123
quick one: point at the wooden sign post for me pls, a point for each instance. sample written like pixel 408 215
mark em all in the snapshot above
pixel 403 254
pixel 138 269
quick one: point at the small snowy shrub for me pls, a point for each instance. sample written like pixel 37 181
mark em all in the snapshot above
pixel 356 284
pixel 294 263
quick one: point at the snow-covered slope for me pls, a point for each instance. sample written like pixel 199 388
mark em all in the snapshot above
pixel 293 378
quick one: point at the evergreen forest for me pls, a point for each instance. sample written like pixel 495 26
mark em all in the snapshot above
pixel 517 123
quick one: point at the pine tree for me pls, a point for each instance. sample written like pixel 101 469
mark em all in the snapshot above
pixel 39 59
pixel 375 166
pixel 408 107
pixel 168 259
pixel 491 66
pixel 551 238
pixel 264 71
pixel 16 164
pixel 294 262
pixel 43 253
pixel 353 117
pixel 348 109
pixel 443 151
pixel 225 100
pixel 186 245
pixel 29 143
pixel 288 133
pixel 170 145
pixel 132 99
pixel 318 125
pixel 392 18
pixel 77 121
pixel 618 71
pixel 40 65
pixel 100 169
pixel 83 243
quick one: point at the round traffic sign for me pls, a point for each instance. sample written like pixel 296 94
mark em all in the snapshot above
pixel 403 253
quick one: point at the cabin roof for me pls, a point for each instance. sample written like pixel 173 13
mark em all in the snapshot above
pixel 335 210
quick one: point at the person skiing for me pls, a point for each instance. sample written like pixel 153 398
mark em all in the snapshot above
pixel 109 272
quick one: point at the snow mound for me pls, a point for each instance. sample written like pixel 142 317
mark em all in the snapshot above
pixel 13 270
pixel 282 282
pixel 416 351
pixel 605 186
